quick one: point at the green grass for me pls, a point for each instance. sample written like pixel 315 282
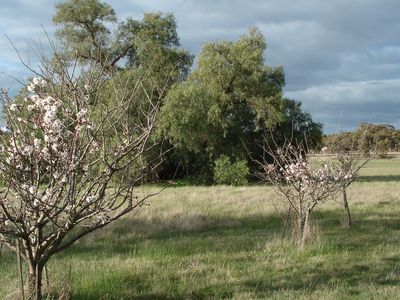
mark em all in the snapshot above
pixel 225 242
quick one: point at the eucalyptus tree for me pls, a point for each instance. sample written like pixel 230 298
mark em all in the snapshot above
pixel 227 102
pixel 130 50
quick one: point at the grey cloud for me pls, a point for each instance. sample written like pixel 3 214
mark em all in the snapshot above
pixel 347 104
pixel 339 56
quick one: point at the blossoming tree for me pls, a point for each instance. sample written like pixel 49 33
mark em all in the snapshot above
pixel 301 183
pixel 63 161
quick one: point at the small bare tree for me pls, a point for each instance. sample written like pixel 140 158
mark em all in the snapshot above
pixel 349 165
pixel 303 184
pixel 63 161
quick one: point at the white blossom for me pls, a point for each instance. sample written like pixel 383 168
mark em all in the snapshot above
pixel 56 126
pixel 27 150
pixel 90 199
pixel 81 113
pixel 49 116
pixel 103 218
pixel 32 189
pixel 36 81
pixel 36 143
pixel 13 107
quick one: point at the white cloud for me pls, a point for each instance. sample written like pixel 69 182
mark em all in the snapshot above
pixel 362 92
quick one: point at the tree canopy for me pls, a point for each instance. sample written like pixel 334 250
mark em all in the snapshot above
pixel 230 102
pixel 223 107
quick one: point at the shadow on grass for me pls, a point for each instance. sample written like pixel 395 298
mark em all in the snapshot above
pixel 7 260
pixel 187 236
pixel 350 279
pixel 379 178
pixel 347 260
pixel 370 229
pixel 350 276
pixel 353 268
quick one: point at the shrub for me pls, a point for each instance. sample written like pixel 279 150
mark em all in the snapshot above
pixel 226 172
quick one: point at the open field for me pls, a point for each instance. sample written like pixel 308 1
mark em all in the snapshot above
pixel 225 242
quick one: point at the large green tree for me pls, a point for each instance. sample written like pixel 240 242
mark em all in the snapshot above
pixel 90 30
pixel 83 29
pixel 132 51
pixel 227 103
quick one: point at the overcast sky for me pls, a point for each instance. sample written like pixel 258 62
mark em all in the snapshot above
pixel 341 57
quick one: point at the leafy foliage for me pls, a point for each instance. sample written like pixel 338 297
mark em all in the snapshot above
pixel 226 172
pixel 83 28
pixel 227 102
pixel 132 51
pixel 225 106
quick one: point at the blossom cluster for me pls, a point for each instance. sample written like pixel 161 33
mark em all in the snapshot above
pixel 293 170
pixel 50 146
pixel 42 143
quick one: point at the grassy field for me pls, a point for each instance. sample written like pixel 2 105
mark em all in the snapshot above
pixel 225 242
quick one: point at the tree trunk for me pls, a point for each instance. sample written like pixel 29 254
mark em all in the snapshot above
pixel 304 230
pixel 298 230
pixel 347 215
pixel 35 281
pixel 287 221
pixel 19 263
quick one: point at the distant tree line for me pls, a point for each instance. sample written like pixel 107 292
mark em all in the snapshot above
pixel 213 113
pixel 378 138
